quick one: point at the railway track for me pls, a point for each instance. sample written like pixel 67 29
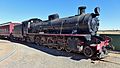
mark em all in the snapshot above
pixel 111 58
pixel 6 50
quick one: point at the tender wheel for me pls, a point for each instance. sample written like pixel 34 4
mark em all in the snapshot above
pixel 50 46
pixel 88 52
pixel 28 40
pixel 68 49
pixel 23 39
pixel 59 48
pixel 11 38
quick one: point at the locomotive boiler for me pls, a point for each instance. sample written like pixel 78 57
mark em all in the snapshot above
pixel 79 24
pixel 75 33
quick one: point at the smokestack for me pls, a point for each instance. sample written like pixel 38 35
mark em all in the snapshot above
pixel 81 10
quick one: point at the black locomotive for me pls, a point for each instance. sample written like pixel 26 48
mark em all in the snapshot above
pixel 75 33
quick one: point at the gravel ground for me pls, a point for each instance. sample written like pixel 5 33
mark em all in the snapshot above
pixel 16 55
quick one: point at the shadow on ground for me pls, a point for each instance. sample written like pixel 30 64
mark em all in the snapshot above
pixel 55 52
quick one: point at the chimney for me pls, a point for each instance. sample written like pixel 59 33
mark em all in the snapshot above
pixel 81 10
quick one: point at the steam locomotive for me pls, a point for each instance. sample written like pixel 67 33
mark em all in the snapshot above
pixel 75 33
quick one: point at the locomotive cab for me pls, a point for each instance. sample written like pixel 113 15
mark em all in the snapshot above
pixel 27 26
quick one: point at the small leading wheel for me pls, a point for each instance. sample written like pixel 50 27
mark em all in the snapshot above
pixel 103 53
pixel 88 52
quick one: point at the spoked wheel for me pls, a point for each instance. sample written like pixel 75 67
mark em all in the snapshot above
pixel 37 41
pixel 88 52
pixel 50 46
pixel 50 42
pixel 67 45
pixel 68 49
pixel 11 38
pixel 20 39
pixel 28 40
pixel 23 39
pixel 59 48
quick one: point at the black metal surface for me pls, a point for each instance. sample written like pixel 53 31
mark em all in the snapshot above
pixel 78 24
pixel 81 24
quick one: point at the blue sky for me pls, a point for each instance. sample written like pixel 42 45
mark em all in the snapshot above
pixel 20 10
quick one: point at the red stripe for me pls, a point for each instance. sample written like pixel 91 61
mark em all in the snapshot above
pixel 61 34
